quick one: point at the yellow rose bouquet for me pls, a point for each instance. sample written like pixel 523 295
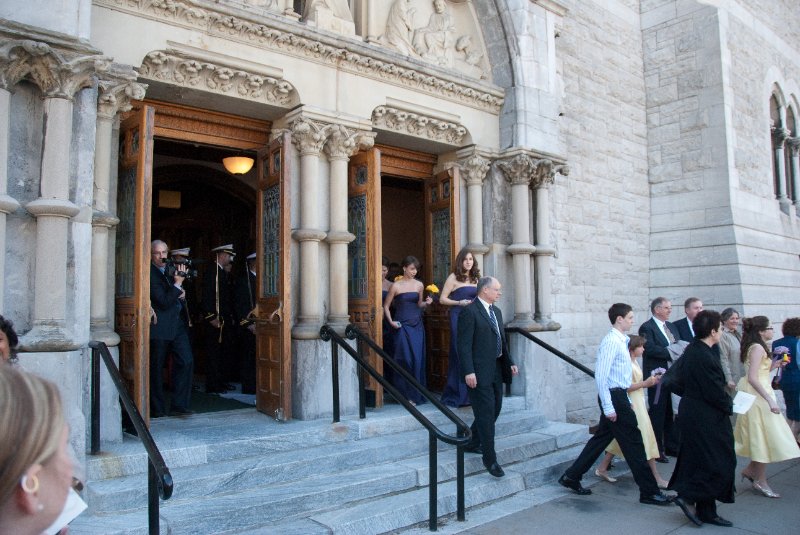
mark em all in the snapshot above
pixel 433 290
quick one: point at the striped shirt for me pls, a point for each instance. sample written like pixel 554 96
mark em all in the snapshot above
pixel 613 368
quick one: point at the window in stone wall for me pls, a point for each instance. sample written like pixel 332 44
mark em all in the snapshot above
pixel 791 180
pixel 775 125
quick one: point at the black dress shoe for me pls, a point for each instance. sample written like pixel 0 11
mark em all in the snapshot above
pixel 717 521
pixel 677 500
pixel 573 484
pixel 496 470
pixel 471 448
pixel 177 411
pixel 655 499
pixel 662 459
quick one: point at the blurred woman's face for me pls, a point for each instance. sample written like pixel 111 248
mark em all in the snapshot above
pixel 767 333
pixel 466 265
pixel 732 323
pixel 636 353
pixel 5 349
pixel 55 480
pixel 384 271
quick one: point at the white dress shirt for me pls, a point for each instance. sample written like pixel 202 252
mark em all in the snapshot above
pixel 613 368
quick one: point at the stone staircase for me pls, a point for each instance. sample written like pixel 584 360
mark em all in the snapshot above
pixel 241 472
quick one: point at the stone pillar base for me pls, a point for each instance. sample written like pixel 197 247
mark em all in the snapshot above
pixel 306 330
pixel 102 332
pixel 43 338
pixel 312 390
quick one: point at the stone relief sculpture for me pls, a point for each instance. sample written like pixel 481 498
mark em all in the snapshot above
pixel 400 27
pixel 333 15
pixel 434 42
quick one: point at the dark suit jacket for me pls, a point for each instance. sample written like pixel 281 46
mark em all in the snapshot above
pixel 164 300
pixel 209 304
pixel 656 354
pixel 683 329
pixel 477 344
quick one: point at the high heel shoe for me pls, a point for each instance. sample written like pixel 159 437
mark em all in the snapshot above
pixel 769 493
pixel 605 476
pixel 745 476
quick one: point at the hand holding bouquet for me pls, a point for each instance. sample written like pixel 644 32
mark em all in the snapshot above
pixel 657 373
pixel 432 290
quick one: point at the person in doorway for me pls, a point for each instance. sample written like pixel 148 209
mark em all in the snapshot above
pixel 485 364
pixel 761 433
pixel 168 333
pixel 388 330
pixel 8 341
pixel 245 303
pixel 636 394
pixel 406 295
pixel 613 374
pixel 691 307
pixel 217 307
pixel 181 256
pixel 458 292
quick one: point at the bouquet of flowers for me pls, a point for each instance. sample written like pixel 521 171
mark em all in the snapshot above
pixel 779 354
pixel 658 372
pixel 397 278
pixel 433 290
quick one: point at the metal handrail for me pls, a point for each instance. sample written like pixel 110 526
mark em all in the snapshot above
pixel 434 433
pixel 551 349
pixel 159 479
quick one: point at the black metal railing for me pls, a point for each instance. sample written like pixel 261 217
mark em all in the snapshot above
pixel 434 433
pixel 159 480
pixel 569 360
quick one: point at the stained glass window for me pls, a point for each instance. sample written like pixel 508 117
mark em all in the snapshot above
pixel 125 232
pixel 272 246
pixel 441 245
pixel 357 249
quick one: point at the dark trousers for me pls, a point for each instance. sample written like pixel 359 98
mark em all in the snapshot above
pixel 247 350
pixel 706 509
pixel 182 370
pixel 627 433
pixel 661 416
pixel 487 401
pixel 217 344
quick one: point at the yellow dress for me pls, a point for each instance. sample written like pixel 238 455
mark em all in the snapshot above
pixel 760 434
pixel 642 418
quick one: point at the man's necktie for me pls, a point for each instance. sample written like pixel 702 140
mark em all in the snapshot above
pixel 670 336
pixel 496 330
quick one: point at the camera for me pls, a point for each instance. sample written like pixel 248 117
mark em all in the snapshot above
pixel 171 267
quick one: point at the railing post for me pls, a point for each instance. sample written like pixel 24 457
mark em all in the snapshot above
pixel 95 425
pixel 152 499
pixel 335 374
pixel 362 389
pixel 433 482
pixel 460 514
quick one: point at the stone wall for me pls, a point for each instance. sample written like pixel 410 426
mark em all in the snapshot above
pixel 601 210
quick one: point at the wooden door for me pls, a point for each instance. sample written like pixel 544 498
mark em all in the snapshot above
pixel 442 212
pixel 273 323
pixel 364 254
pixel 132 292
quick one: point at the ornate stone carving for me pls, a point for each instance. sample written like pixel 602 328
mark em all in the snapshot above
pixel 350 57
pixel 58 74
pixel 475 168
pixel 780 135
pixel 116 91
pixel 309 136
pixel 333 15
pixel 399 32
pixel 793 143
pixel 189 72
pixel 434 42
pixel 344 142
pixel 527 169
pixel 418 125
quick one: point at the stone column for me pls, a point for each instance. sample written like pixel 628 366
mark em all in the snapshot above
pixel 310 138
pixel 794 147
pixel 545 176
pixel 518 170
pixel 342 143
pixel 474 168
pixel 115 94
pixel 780 135
pixel 7 204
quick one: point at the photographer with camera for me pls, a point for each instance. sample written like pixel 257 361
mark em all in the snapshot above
pixel 217 307
pixel 180 257
pixel 168 333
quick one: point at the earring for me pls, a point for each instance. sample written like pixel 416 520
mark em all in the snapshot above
pixel 23 482
pixel 40 507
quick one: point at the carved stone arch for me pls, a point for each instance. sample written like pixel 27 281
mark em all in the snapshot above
pixel 208 73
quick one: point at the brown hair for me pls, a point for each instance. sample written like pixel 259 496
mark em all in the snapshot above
pixel 458 267
pixel 751 334
pixel 791 327
pixel 635 341
pixel 32 421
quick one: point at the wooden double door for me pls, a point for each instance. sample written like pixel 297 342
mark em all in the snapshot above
pixel 440 210
pixel 138 130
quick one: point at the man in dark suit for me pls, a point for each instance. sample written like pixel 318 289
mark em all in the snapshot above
pixel 485 365
pixel 217 305
pixel 658 334
pixel 168 334
pixel 245 302
pixel 691 307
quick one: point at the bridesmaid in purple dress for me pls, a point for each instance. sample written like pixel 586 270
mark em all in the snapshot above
pixel 409 332
pixel 459 291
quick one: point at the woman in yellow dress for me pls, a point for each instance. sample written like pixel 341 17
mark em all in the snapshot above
pixel 636 394
pixel 761 433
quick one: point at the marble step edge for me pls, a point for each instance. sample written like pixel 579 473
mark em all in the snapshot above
pixel 255 506
pixel 133 459
pixel 197 481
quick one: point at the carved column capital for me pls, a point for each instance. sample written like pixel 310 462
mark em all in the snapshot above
pixel 475 168
pixel 116 91
pixel 343 142
pixel 519 170
pixel 57 74
pixel 794 145
pixel 309 136
pixel 780 135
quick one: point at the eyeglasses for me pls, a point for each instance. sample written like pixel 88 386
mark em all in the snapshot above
pixel 770 329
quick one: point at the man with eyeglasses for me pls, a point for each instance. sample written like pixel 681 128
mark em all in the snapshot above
pixel 659 334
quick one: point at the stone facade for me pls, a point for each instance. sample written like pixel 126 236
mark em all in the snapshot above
pixel 609 151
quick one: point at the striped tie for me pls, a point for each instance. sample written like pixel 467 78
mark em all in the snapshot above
pixel 496 330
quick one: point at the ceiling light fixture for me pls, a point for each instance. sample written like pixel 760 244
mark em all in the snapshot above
pixel 238 165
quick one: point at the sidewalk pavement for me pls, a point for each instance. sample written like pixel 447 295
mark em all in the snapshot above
pixel 614 509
